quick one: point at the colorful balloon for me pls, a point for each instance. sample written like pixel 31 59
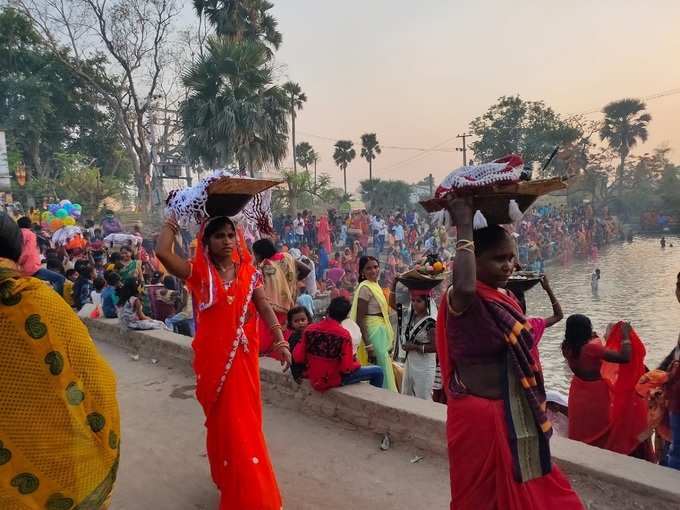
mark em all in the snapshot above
pixel 76 213
pixel 61 214
pixel 56 224
pixel 64 202
pixel 78 206
pixel 69 221
pixel 45 215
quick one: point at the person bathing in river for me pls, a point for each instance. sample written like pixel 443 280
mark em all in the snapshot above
pixel 595 280
pixel 496 395
pixel 603 412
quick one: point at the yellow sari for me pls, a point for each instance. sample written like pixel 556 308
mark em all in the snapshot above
pixel 59 425
pixel 380 332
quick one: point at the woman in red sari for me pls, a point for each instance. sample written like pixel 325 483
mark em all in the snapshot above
pixel 498 434
pixel 228 295
pixel 604 408
pixel 324 234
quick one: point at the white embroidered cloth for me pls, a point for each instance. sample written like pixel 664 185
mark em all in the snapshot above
pixel 506 169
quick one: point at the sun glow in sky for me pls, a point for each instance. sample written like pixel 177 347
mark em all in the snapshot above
pixel 416 73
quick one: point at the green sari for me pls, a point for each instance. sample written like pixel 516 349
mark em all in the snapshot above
pixel 380 334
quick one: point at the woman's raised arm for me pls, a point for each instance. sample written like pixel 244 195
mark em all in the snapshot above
pixel 175 264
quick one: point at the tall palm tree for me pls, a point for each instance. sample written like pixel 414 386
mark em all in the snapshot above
pixel 625 123
pixel 296 98
pixel 369 149
pixel 234 113
pixel 343 155
pixel 242 20
pixel 304 154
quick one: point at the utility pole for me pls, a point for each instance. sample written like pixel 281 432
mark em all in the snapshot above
pixel 464 149
pixel 430 180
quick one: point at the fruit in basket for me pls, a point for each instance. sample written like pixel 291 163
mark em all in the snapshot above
pixel 438 267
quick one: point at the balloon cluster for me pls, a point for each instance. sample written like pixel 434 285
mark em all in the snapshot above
pixel 63 214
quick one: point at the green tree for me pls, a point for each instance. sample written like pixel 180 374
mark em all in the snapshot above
pixel 343 155
pixel 296 98
pixel 528 128
pixel 305 155
pixel 625 123
pixel 242 20
pixel 385 195
pixel 234 112
pixel 81 182
pixel 669 188
pixel 300 192
pixel 46 108
pixel 369 149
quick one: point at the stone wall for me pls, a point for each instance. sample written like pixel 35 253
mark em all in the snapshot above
pixel 604 479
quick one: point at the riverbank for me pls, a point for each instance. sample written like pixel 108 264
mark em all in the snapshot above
pixel 604 479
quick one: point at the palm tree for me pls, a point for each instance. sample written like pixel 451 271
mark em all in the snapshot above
pixel 296 98
pixel 625 123
pixel 234 113
pixel 369 149
pixel 242 20
pixel 303 154
pixel 343 155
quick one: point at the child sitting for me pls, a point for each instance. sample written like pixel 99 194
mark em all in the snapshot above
pixel 326 351
pixel 130 311
pixel 298 320
pixel 109 296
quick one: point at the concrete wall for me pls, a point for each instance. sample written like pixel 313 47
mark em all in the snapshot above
pixel 606 476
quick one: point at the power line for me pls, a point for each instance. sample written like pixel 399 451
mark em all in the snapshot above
pixel 396 147
pixel 651 97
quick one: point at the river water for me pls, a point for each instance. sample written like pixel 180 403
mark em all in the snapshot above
pixel 637 285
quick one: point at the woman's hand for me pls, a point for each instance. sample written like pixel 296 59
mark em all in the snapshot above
pixel 461 209
pixel 286 359
pixel 545 283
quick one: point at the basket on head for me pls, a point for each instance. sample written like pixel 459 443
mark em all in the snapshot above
pixel 227 196
pixel 414 280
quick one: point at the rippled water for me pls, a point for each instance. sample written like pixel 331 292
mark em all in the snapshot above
pixel 637 285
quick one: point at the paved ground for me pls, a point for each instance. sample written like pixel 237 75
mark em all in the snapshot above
pixel 320 464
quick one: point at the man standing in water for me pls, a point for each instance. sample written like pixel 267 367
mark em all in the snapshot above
pixel 595 280
pixel 663 241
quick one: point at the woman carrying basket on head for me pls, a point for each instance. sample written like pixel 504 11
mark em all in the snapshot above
pixel 229 295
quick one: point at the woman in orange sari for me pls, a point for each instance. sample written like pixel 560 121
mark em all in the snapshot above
pixel 498 433
pixel 228 293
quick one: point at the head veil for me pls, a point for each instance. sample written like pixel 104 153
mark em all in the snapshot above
pixel 204 271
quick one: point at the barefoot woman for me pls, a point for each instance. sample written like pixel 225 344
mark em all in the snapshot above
pixel 498 433
pixel 228 293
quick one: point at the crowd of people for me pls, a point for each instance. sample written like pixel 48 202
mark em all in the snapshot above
pixel 240 300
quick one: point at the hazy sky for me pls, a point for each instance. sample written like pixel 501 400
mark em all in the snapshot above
pixel 417 72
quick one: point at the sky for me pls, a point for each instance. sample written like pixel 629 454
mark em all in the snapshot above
pixel 417 72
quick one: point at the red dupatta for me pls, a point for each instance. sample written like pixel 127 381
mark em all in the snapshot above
pixel 628 411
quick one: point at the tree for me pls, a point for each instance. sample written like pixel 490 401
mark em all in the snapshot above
pixel 300 192
pixel 46 108
pixel 369 149
pixel 80 181
pixel 305 154
pixel 296 98
pixel 385 195
pixel 625 123
pixel 343 155
pixel 528 128
pixel 234 112
pixel 242 20
pixel 130 39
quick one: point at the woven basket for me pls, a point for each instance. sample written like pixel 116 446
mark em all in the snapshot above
pixel 494 200
pixel 522 281
pixel 228 196
pixel 417 281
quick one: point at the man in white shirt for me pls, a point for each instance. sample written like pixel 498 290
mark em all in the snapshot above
pixel 299 229
pixel 380 227
pixel 398 230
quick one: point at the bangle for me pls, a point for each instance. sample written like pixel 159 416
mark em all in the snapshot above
pixel 275 326
pixel 465 248
pixel 465 243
